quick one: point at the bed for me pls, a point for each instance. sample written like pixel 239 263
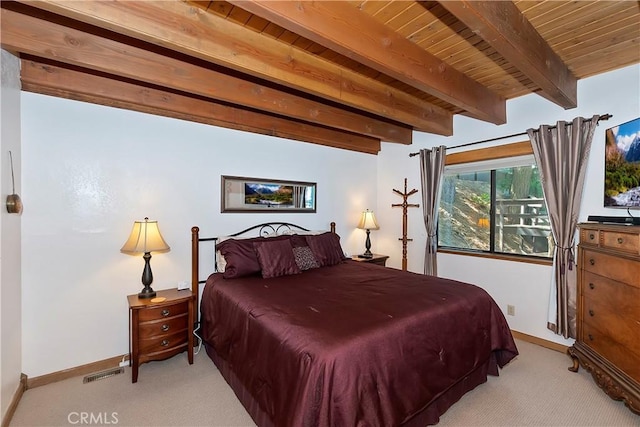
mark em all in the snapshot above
pixel 342 343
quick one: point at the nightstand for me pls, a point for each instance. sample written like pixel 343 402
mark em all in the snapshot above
pixel 160 330
pixel 376 259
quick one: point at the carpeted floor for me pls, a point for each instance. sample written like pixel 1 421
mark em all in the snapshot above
pixel 535 389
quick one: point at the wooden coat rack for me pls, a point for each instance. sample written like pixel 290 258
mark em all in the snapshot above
pixel 405 205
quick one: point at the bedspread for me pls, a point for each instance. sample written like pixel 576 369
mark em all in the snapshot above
pixel 353 344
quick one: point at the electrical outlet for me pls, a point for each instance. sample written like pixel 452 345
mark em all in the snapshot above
pixel 511 310
pixel 124 363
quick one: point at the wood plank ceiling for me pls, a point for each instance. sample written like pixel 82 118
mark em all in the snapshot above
pixel 347 74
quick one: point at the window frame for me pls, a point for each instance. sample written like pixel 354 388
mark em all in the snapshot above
pixel 516 149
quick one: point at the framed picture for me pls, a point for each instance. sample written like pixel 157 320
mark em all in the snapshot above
pixel 243 194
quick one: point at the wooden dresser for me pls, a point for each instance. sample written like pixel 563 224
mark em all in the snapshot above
pixel 608 309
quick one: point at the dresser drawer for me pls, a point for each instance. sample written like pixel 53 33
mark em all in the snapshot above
pixel 626 242
pixel 164 311
pixel 616 267
pixel 619 324
pixel 163 342
pixel 589 237
pixel 164 326
pixel 619 296
pixel 622 358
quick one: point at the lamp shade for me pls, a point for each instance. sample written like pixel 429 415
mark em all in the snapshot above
pixel 145 237
pixel 368 221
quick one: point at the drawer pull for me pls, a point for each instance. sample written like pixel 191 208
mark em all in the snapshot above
pixel 165 328
pixel 590 337
pixel 592 261
pixel 591 313
pixel 166 312
pixel 592 236
pixel 592 286
pixel 620 240
pixel 164 343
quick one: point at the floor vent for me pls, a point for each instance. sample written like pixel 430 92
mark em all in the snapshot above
pixel 101 375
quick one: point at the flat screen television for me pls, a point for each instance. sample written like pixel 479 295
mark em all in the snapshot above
pixel 622 166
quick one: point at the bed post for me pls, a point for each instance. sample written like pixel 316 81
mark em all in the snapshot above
pixel 333 227
pixel 195 257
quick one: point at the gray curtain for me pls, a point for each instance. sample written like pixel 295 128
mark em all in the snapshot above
pixel 431 170
pixel 561 153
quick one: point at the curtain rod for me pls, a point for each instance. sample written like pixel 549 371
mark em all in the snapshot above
pixel 602 117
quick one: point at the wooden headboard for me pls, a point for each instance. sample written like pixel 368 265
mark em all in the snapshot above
pixel 264 229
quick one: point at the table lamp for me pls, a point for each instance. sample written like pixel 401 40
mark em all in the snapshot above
pixel 368 222
pixel 145 238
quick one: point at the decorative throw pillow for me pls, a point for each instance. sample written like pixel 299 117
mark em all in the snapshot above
pixel 276 258
pixel 326 248
pixel 240 256
pixel 304 258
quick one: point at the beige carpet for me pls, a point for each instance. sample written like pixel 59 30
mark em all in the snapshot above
pixel 535 389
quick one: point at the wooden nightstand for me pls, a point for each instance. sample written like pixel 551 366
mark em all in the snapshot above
pixel 160 330
pixel 376 259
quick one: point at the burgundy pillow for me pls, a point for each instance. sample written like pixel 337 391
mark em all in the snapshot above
pixel 304 257
pixel 298 240
pixel 240 255
pixel 276 258
pixel 326 248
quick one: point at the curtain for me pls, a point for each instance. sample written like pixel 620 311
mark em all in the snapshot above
pixel 561 153
pixel 431 170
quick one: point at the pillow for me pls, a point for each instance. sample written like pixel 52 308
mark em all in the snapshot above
pixel 221 262
pixel 304 258
pixel 298 241
pixel 276 258
pixel 240 256
pixel 326 248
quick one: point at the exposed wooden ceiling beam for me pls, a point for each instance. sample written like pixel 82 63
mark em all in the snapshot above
pixel 343 28
pixel 502 25
pixel 53 41
pixel 74 84
pixel 190 30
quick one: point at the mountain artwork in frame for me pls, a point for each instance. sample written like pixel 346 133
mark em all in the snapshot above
pixel 244 194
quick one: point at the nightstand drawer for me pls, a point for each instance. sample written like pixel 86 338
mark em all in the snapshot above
pixel 163 342
pixel 164 311
pixel 163 326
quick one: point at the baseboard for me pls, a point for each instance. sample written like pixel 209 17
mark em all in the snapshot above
pixel 75 372
pixel 6 419
pixel 539 341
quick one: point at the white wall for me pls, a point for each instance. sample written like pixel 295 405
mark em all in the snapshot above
pixel 524 285
pixel 10 316
pixel 89 171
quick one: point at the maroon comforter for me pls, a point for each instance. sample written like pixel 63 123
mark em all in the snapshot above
pixel 352 344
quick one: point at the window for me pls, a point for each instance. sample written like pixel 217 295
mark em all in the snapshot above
pixel 495 206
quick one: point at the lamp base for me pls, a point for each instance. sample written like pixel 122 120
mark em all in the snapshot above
pixel 147 292
pixel 365 255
